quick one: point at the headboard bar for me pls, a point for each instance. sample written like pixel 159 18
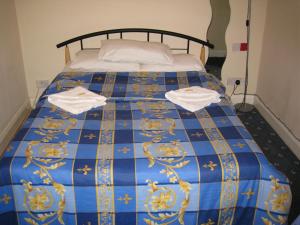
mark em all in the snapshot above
pixel 81 45
pixel 135 30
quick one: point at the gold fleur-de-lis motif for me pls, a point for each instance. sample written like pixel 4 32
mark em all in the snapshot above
pixel 9 148
pixel 53 108
pixel 239 144
pixel 85 170
pixel 88 223
pixel 197 134
pixel 5 199
pixel 104 170
pixel 124 150
pixel 172 81
pixel 95 114
pixel 249 193
pixel 90 136
pixel 75 83
pixel 209 222
pixel 210 165
pixel 125 124
pixel 175 142
pixel 126 199
pixel 98 78
pixel 223 121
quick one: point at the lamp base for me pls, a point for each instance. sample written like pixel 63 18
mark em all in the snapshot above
pixel 243 107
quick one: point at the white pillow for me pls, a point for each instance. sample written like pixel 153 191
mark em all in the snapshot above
pixel 182 62
pixel 88 60
pixel 84 58
pixel 135 51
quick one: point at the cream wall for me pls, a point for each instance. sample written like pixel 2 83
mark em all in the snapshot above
pixel 279 80
pixel 236 33
pixel 45 23
pixel 13 91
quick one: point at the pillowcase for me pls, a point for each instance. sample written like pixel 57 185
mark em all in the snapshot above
pixel 88 60
pixel 182 62
pixel 84 58
pixel 135 52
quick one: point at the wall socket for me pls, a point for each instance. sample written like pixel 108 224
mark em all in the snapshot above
pixel 42 83
pixel 231 81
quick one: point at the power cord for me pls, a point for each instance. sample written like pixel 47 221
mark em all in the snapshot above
pixel 234 88
pixel 236 84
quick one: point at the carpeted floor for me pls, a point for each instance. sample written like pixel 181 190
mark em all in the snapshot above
pixel 277 152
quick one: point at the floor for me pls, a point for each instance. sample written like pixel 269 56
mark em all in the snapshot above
pixel 277 152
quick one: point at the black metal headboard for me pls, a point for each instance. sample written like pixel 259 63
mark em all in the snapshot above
pixel 137 30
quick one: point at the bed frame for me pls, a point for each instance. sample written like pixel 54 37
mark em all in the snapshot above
pixel 137 30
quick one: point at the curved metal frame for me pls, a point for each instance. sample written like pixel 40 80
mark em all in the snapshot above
pixel 137 30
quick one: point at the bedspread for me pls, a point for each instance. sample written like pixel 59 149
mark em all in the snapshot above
pixel 139 159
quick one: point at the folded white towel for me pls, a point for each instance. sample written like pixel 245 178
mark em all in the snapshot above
pixel 193 98
pixel 77 100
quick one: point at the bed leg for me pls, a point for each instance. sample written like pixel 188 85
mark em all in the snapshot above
pixel 67 55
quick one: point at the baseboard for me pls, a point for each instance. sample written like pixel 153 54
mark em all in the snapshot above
pixel 13 125
pixel 282 131
pixel 239 98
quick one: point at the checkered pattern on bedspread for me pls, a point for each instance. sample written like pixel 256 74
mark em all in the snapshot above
pixel 138 160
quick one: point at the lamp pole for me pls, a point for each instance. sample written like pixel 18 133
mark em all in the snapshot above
pixel 245 107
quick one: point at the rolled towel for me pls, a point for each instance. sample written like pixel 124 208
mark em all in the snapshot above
pixel 193 98
pixel 77 100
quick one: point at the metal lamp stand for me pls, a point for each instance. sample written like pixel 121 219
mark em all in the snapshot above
pixel 245 107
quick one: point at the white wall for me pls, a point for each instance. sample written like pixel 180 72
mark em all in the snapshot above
pixel 279 80
pixel 13 91
pixel 45 23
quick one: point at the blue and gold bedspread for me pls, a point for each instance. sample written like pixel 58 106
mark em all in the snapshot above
pixel 138 160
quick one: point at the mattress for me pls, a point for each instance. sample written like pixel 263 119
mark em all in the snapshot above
pixel 139 159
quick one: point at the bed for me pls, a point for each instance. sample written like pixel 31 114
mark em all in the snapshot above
pixel 139 159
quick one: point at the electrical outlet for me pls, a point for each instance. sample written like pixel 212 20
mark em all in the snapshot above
pixel 42 83
pixel 231 81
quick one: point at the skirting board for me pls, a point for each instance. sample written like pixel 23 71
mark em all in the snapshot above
pixel 284 133
pixel 239 98
pixel 13 125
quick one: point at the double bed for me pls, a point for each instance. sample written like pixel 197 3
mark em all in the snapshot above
pixel 140 159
